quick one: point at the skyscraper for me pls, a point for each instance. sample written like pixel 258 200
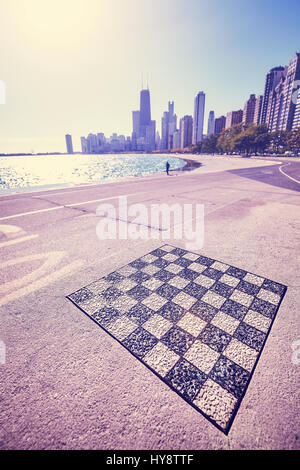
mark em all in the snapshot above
pixel 233 118
pixel 69 143
pixel 150 136
pixel 164 131
pixel 296 122
pixel 249 110
pixel 211 123
pixel 136 122
pixel 288 105
pixel 176 139
pixel 258 109
pixel 145 111
pixel 186 131
pixel 143 129
pixel 199 106
pixel 274 108
pixel 168 127
pixel 220 124
pixel 272 79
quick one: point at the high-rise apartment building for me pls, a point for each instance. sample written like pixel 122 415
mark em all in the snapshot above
pixel 233 118
pixel 296 122
pixel 69 143
pixel 288 105
pixel 274 108
pixel 272 79
pixel 186 131
pixel 211 123
pixel 220 124
pixel 199 107
pixel 249 110
pixel 258 109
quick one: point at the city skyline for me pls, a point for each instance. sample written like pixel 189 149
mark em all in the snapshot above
pixel 56 81
pixel 278 108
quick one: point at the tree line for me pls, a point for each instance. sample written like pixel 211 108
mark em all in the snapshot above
pixel 250 139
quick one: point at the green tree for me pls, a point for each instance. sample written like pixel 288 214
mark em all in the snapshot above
pixel 210 144
pixel 278 141
pixel 293 141
pixel 226 137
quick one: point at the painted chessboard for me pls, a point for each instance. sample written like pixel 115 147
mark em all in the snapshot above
pixel 197 323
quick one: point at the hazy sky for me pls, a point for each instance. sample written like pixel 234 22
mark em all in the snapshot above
pixel 76 65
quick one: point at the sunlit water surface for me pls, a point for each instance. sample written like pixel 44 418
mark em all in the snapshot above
pixel 26 172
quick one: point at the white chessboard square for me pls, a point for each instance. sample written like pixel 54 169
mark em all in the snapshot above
pixel 126 285
pixel 154 301
pixel 253 279
pixel 127 270
pixel 150 269
pixel 213 299
pixel 161 359
pixel 192 324
pixel 241 354
pixel 152 283
pixel 269 296
pixel 184 300
pixel 197 267
pixel 229 280
pixel 99 286
pixel 216 402
pixel 204 281
pixel 167 248
pixel 90 306
pixel 179 282
pixel 257 320
pixel 225 322
pixel 202 356
pixel 174 268
pixel 220 266
pixel 123 303
pixel 242 298
pixel 170 257
pixel 149 258
pixel 157 325
pixel 121 327
pixel 191 256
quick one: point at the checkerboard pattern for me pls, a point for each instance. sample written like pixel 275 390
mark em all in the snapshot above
pixel 197 323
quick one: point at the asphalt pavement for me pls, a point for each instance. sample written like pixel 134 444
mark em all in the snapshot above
pixel 66 384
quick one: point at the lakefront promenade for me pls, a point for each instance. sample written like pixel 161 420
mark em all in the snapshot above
pixel 67 384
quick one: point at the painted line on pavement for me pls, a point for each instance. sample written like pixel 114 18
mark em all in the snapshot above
pixel 42 282
pixel 290 177
pixel 17 240
pixel 75 204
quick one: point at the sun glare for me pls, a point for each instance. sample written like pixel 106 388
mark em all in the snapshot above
pixel 58 23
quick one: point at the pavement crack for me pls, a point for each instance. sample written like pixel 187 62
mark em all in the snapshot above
pixel 66 206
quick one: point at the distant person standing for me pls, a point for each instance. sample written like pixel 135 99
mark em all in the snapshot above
pixel 167 167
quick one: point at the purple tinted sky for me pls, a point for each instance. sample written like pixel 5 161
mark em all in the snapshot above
pixel 76 65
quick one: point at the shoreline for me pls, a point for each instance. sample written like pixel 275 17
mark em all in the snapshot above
pixel 189 165
pixel 193 162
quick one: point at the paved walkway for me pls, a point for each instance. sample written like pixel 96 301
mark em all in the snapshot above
pixel 68 384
